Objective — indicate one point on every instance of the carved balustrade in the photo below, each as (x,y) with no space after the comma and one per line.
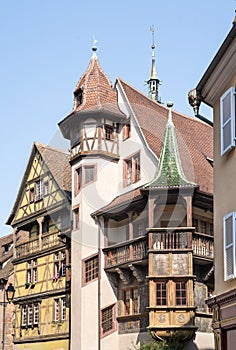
(178,238)
(48,240)
(126,252)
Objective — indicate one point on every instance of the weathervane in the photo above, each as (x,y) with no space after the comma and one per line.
(94,47)
(153,32)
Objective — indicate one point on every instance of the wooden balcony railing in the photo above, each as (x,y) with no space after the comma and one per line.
(170,239)
(179,238)
(126,252)
(48,240)
(203,245)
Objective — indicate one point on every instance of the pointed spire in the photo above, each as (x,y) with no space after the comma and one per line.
(169,172)
(94,91)
(153,81)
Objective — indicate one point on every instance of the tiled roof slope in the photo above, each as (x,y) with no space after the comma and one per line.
(6,256)
(195,138)
(96,89)
(123,199)
(58,163)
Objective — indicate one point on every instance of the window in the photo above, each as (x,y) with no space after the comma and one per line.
(34,231)
(108,132)
(30,315)
(108,320)
(202,226)
(131,301)
(140,228)
(126,131)
(32,271)
(78,97)
(161,295)
(84,175)
(56,309)
(63,309)
(59,309)
(39,190)
(180,293)
(46,188)
(227,119)
(48,225)
(36,313)
(59,265)
(6,248)
(91,269)
(76,218)
(31,194)
(132,169)
(229,246)
(78,179)
(24,315)
(89,173)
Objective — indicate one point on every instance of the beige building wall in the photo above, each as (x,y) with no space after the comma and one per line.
(224,196)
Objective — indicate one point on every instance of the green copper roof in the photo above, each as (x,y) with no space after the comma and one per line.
(169,171)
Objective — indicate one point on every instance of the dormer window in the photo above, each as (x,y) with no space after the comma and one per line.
(79,97)
(6,248)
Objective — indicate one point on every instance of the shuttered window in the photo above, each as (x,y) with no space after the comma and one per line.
(229,246)
(227,119)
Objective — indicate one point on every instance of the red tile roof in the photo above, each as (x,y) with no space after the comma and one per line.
(58,163)
(195,138)
(97,90)
(7,256)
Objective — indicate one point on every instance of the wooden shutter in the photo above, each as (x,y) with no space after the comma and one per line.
(229,246)
(227,119)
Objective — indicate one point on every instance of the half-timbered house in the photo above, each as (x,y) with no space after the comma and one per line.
(42,261)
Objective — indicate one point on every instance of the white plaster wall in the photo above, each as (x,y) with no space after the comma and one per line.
(202,341)
(109,184)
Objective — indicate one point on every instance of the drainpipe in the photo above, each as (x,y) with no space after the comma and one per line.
(99,282)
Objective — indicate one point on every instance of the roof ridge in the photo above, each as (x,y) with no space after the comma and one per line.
(51,148)
(155,103)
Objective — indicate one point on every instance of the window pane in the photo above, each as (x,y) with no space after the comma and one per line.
(63,309)
(56,310)
(135,301)
(107,319)
(78,178)
(39,189)
(30,314)
(229,231)
(36,314)
(89,173)
(23,315)
(226,107)
(63,268)
(91,269)
(180,295)
(127,301)
(161,293)
(227,134)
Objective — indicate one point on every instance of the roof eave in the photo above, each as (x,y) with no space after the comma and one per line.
(215,62)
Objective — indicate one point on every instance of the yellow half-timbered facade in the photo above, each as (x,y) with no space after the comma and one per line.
(42,260)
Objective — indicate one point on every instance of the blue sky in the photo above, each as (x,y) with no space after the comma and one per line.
(46,46)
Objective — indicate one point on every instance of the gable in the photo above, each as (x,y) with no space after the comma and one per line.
(39,190)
